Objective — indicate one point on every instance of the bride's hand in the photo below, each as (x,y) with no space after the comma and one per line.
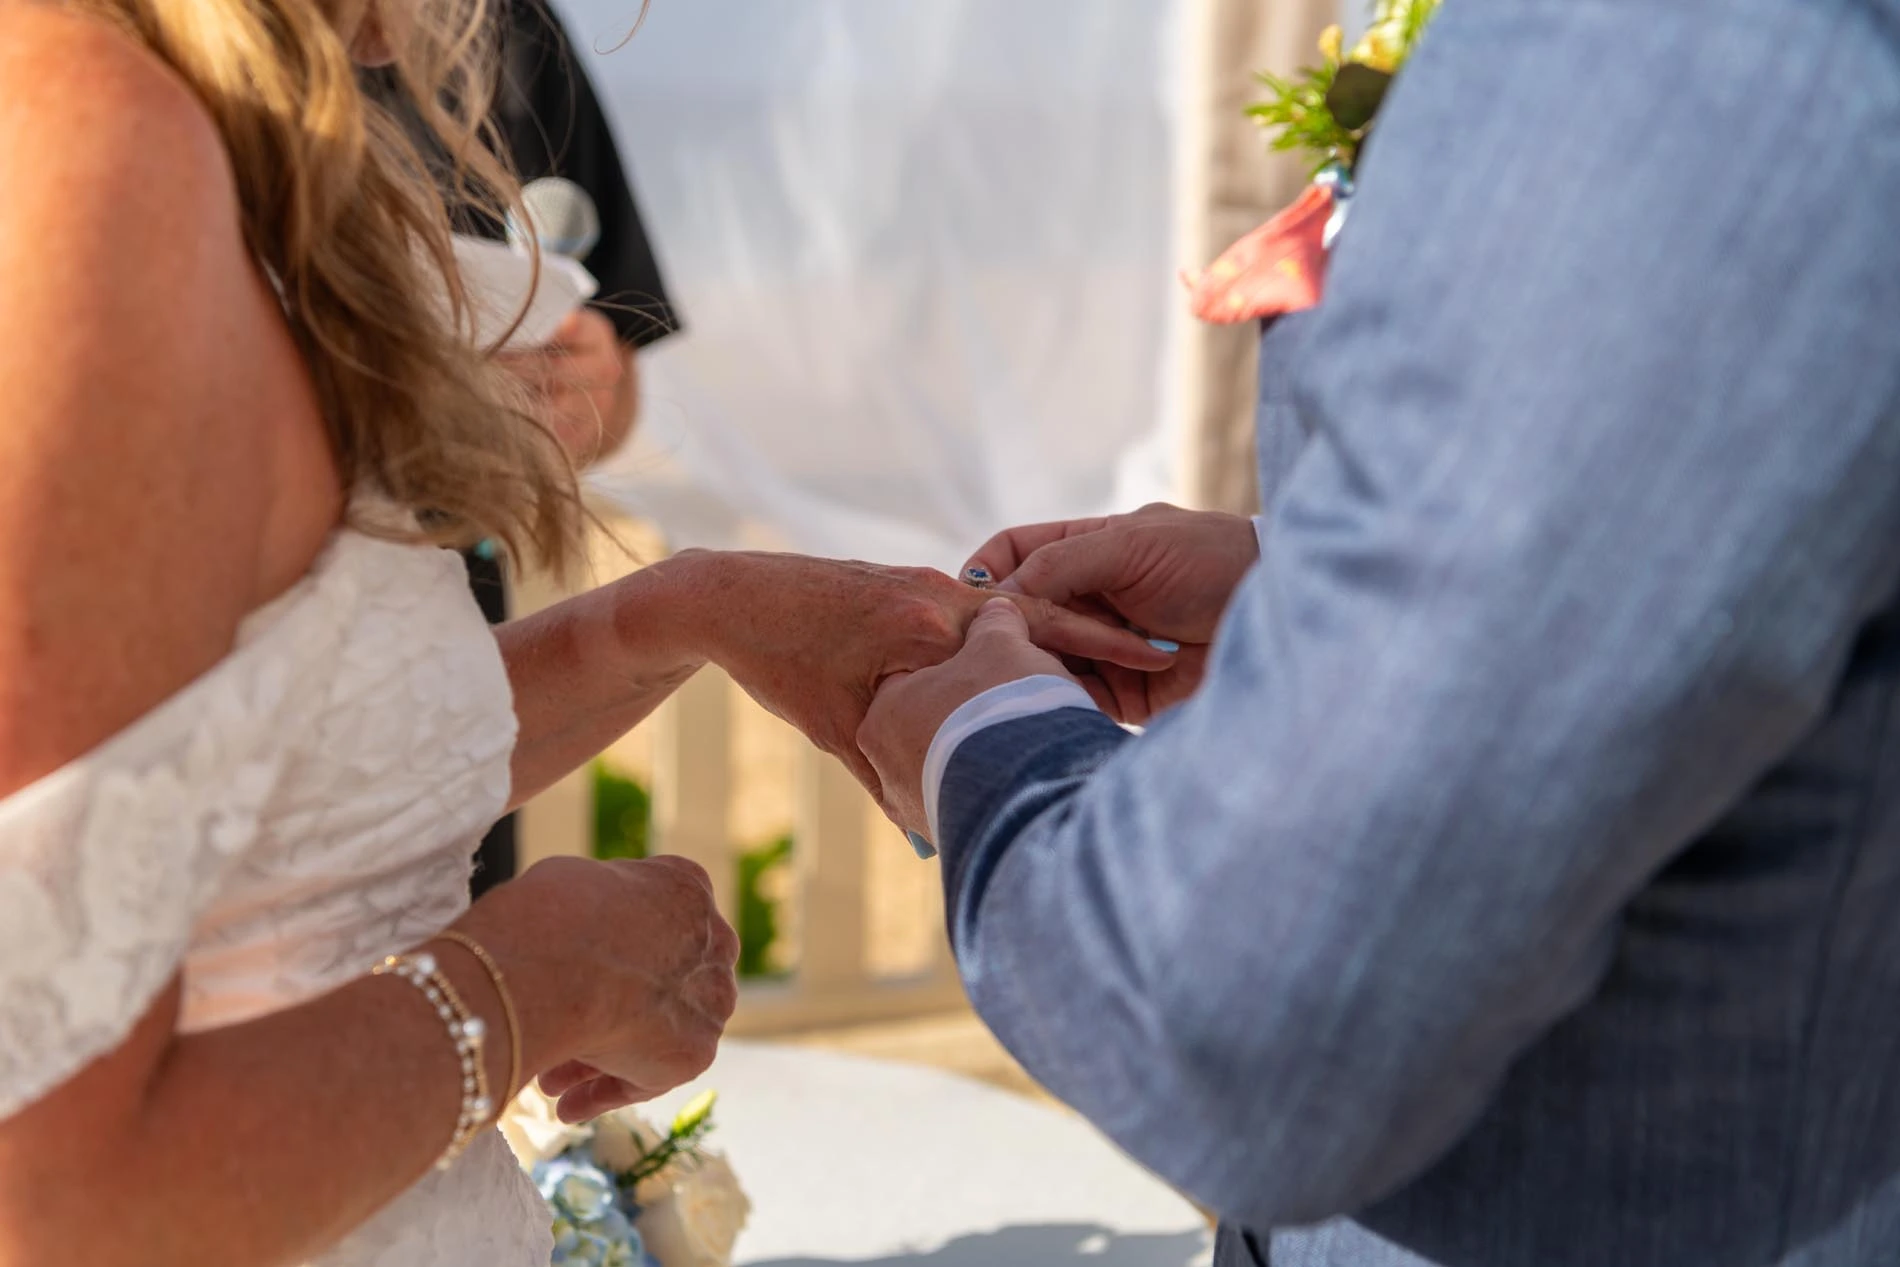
(622,973)
(812,639)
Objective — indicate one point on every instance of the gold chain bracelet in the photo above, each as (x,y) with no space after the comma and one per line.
(508,1012)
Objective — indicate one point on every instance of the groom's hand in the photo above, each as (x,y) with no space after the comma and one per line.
(1166,571)
(911,707)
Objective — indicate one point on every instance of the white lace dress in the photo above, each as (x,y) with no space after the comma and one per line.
(308,806)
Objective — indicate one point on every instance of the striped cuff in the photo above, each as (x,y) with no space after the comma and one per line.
(1024,698)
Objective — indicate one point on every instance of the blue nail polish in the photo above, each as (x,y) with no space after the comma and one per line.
(1162,644)
(923,847)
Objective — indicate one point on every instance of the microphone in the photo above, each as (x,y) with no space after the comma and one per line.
(500,277)
(561,218)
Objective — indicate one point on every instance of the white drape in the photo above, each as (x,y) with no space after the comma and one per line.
(925,256)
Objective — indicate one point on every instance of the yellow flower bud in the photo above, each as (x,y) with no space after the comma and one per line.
(1382,48)
(1330,42)
(696,1111)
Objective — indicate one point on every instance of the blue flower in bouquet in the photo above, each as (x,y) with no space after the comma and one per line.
(591,1227)
(576,1187)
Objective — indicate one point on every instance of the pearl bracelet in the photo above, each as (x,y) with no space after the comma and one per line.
(466,1030)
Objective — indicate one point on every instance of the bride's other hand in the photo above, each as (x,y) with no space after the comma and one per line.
(622,973)
(812,639)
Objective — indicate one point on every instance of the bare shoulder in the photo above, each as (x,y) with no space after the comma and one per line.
(131,496)
(91,117)
(117,181)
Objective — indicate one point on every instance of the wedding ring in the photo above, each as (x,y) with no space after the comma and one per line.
(980,578)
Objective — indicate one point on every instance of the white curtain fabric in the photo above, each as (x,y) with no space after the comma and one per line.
(925,253)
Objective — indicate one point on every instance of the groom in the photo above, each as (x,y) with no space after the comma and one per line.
(1521,888)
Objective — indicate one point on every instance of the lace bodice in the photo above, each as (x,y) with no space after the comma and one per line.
(306,807)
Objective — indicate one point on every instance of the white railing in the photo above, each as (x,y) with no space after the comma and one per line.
(842,856)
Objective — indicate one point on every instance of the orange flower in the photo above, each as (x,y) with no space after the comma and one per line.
(1278,268)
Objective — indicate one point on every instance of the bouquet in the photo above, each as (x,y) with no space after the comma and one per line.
(622,1193)
(1326,111)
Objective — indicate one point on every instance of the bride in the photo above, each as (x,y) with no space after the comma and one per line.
(251,723)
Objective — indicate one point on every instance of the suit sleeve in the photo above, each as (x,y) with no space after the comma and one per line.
(1602,486)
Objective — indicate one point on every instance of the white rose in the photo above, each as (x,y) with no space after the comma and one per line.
(535,1131)
(692,1214)
(622,1138)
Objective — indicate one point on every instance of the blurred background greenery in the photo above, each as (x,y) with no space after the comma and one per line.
(623,823)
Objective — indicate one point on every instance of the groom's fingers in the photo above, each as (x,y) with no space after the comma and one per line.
(1003,553)
(1001,621)
(1004,643)
(1098,688)
(1074,567)
(891,687)
(1071,633)
(910,709)
(894,737)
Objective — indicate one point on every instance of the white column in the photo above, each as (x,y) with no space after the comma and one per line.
(828,851)
(692,780)
(1230,182)
(559,821)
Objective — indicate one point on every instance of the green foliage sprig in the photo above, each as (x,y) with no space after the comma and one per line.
(1327,111)
(1298,114)
(683,1139)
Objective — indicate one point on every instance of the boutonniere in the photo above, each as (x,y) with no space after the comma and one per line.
(1327,112)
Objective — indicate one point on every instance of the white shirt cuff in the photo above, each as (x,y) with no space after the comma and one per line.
(1013,700)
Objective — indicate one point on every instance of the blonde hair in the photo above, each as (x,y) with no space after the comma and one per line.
(354,225)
